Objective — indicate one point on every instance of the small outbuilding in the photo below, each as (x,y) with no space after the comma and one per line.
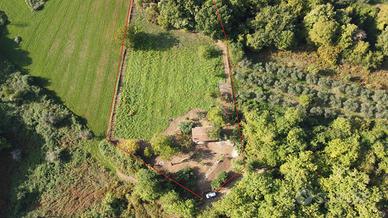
(200,135)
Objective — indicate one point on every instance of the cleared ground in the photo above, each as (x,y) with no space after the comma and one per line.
(165,78)
(70,45)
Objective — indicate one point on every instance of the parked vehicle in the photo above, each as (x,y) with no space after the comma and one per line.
(211,195)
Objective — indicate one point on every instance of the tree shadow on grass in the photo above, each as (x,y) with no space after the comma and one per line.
(157,42)
(9,48)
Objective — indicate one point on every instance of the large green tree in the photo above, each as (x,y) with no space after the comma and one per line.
(349,194)
(208,22)
(273,26)
(147,186)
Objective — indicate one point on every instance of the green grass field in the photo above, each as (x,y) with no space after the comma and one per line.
(71,46)
(165,78)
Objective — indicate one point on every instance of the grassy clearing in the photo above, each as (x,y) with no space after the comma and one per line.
(70,45)
(165,78)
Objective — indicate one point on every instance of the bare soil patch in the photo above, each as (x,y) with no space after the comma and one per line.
(207,160)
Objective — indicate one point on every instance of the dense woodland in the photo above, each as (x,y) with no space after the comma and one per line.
(341,31)
(313,146)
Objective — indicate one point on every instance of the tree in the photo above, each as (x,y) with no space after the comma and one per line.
(323,32)
(163,146)
(346,39)
(323,12)
(260,133)
(215,116)
(295,143)
(382,42)
(272,26)
(300,170)
(321,25)
(246,197)
(207,20)
(343,152)
(147,186)
(350,195)
(174,205)
(177,14)
(361,54)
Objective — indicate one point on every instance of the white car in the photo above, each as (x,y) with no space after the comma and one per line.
(211,195)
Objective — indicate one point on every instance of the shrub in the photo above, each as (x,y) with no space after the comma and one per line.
(304,100)
(208,51)
(129,145)
(218,182)
(329,54)
(361,54)
(216,117)
(184,141)
(214,132)
(3,19)
(186,127)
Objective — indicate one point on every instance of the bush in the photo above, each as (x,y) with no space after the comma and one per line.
(218,182)
(163,146)
(214,132)
(148,152)
(304,100)
(186,127)
(236,52)
(208,51)
(152,13)
(185,142)
(329,54)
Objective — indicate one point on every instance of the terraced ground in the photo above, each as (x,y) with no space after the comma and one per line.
(165,78)
(70,45)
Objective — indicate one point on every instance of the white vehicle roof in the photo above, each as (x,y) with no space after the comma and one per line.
(210,194)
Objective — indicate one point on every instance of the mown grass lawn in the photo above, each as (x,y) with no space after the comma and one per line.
(165,78)
(70,45)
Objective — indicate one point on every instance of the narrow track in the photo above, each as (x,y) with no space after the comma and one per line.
(120,76)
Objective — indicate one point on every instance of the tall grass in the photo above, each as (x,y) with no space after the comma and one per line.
(165,78)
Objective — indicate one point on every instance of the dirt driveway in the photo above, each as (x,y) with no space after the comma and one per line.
(207,160)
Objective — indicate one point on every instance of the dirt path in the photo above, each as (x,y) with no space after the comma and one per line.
(126,178)
(120,77)
(226,89)
(225,56)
